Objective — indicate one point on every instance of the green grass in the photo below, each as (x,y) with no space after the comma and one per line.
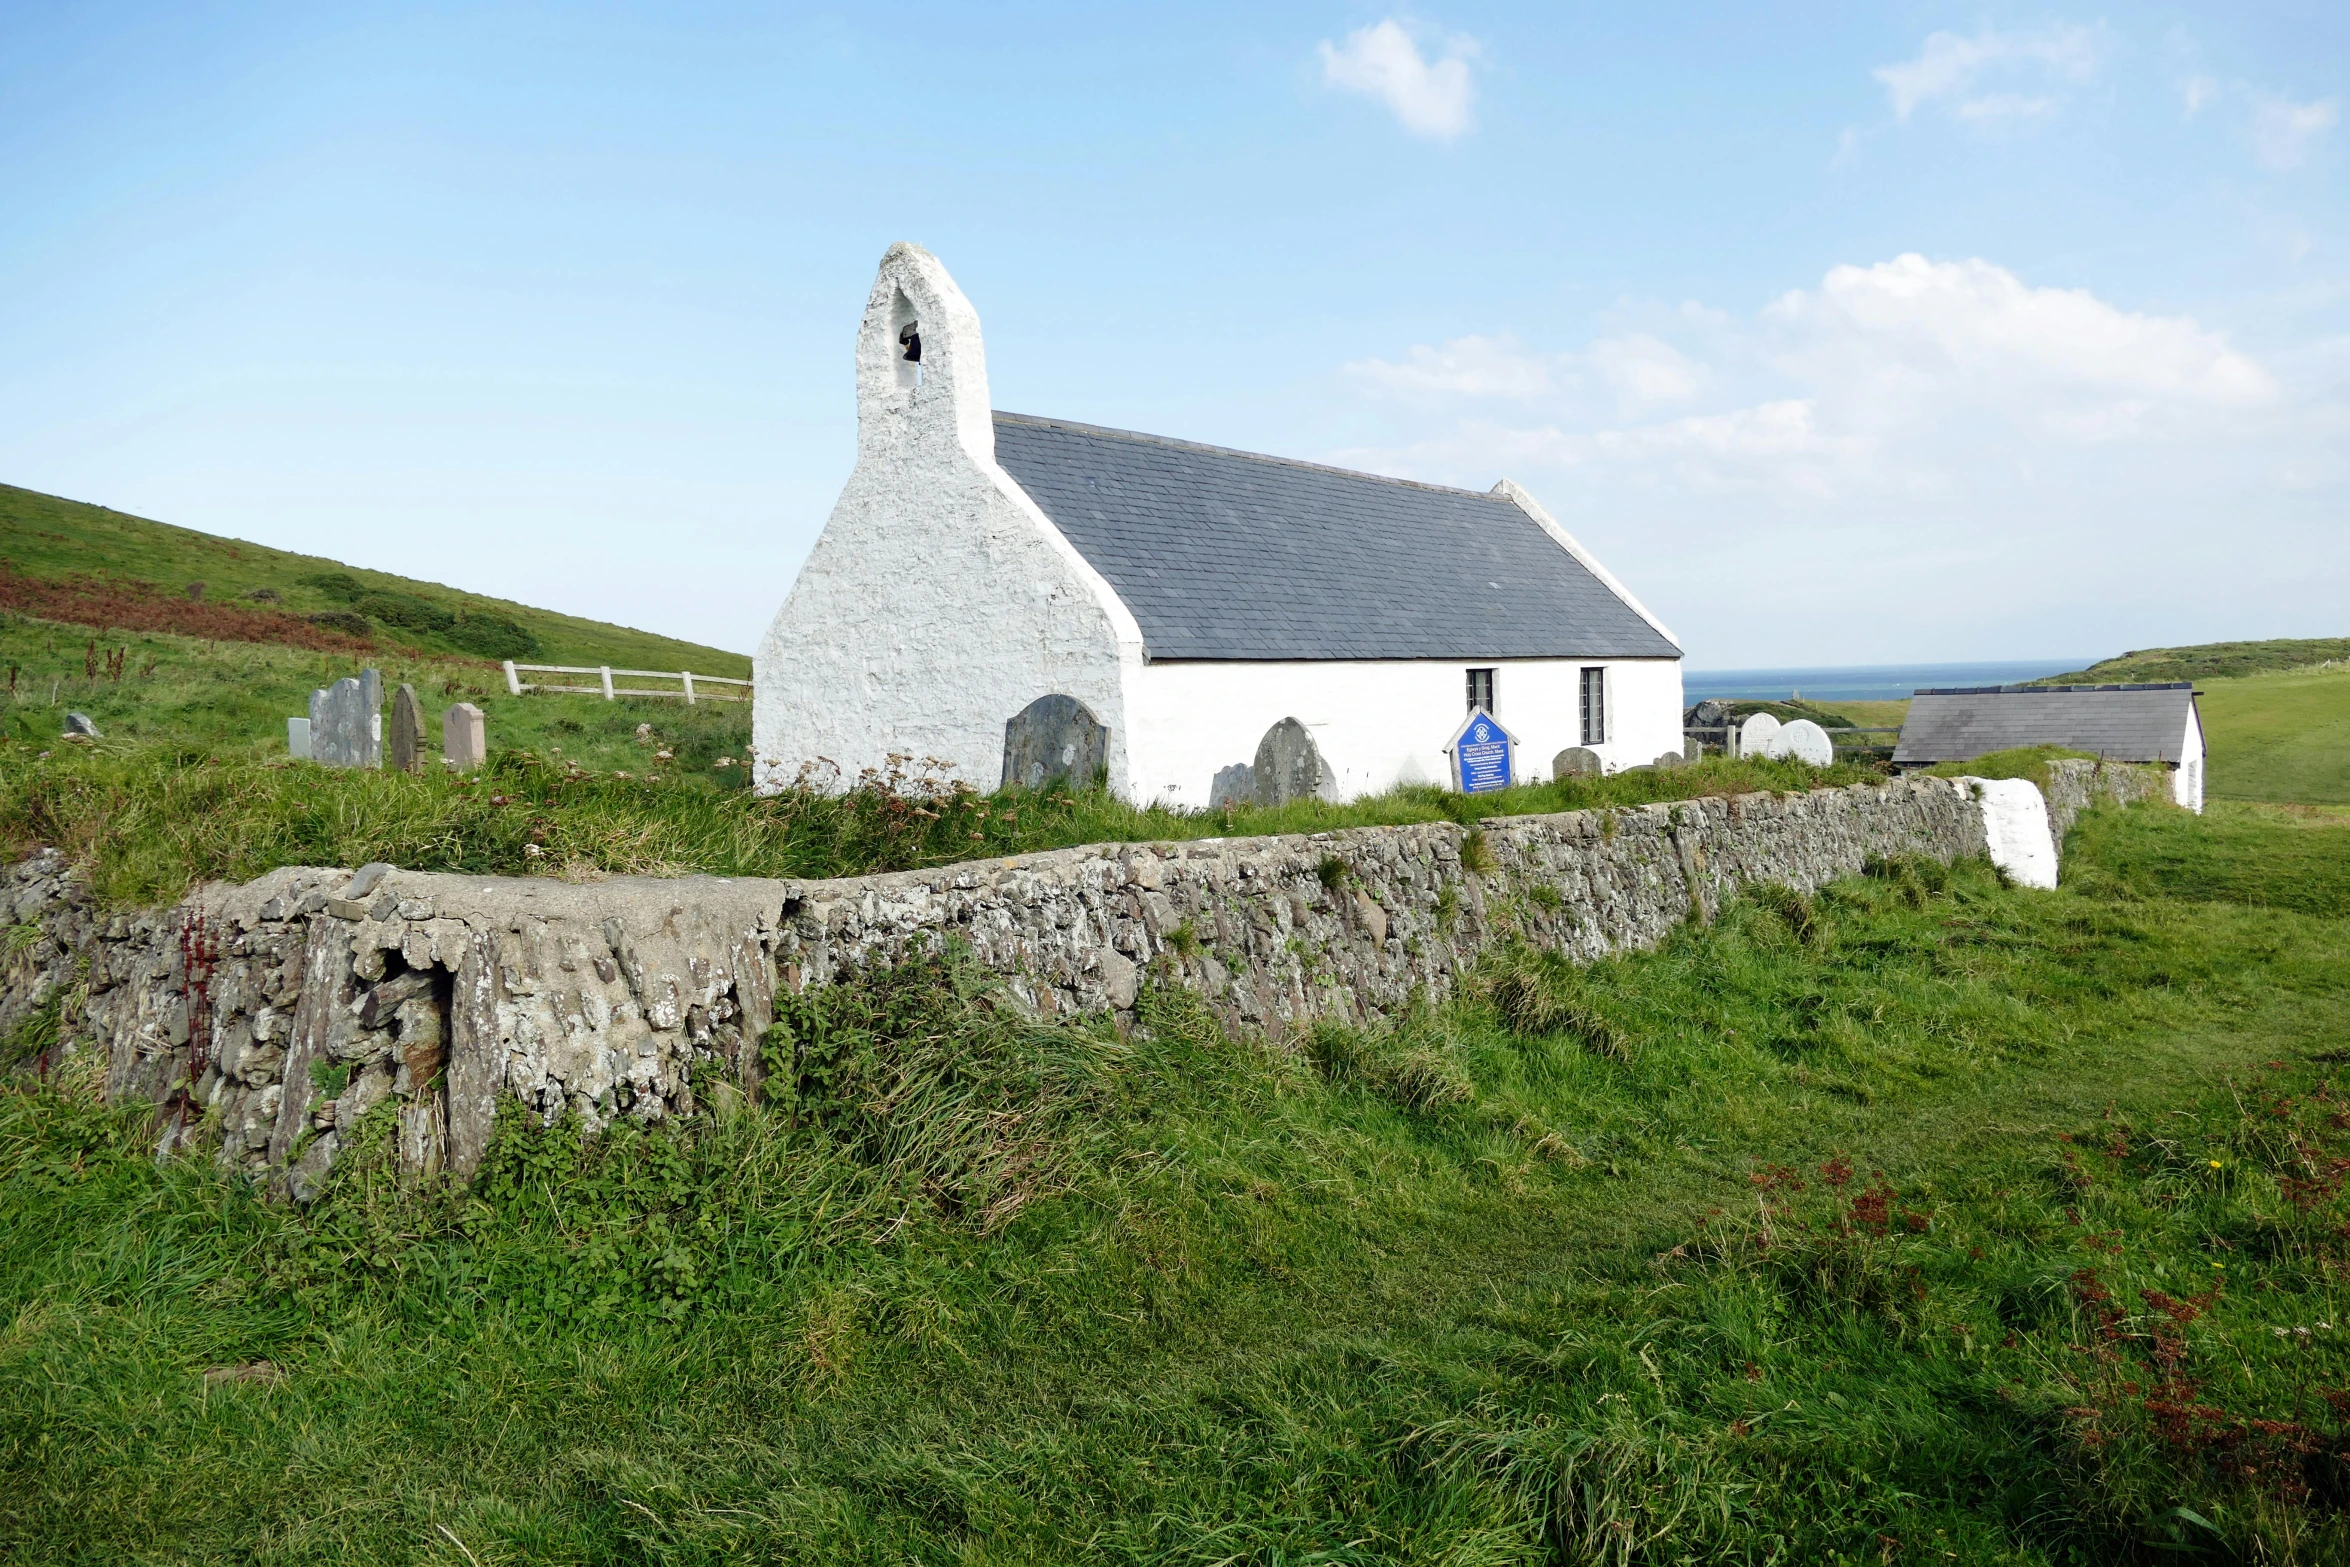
(2252,855)
(2280,737)
(44,536)
(2207,661)
(147,820)
(1619,1283)
(2030,761)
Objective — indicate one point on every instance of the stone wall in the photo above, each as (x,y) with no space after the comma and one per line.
(2074,786)
(265,1018)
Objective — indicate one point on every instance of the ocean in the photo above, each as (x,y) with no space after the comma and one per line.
(1864,682)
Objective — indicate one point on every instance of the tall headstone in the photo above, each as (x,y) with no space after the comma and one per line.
(1288,765)
(1807,742)
(407,730)
(1759,735)
(464,743)
(1055,737)
(1575,762)
(298,739)
(346,722)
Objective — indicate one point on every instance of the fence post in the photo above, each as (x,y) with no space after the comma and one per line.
(607,682)
(687,676)
(513,680)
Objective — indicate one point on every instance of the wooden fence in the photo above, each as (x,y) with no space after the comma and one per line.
(691,686)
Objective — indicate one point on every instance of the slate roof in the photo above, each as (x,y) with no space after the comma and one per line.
(2132,723)
(1232,556)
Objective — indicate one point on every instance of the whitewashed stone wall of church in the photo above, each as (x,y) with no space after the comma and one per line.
(1382,724)
(939,601)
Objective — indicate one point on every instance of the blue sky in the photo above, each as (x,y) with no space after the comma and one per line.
(1843,334)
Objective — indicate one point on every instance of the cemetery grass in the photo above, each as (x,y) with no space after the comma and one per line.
(146,821)
(1921,1220)
(148,567)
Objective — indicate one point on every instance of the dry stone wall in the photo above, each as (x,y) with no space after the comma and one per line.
(265,1019)
(2075,785)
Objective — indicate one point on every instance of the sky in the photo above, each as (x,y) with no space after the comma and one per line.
(1842,334)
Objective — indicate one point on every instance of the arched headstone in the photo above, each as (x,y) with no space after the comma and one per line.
(1806,742)
(1053,737)
(1575,761)
(1759,735)
(1288,765)
(1670,759)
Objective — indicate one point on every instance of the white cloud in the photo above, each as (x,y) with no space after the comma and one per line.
(1645,370)
(1948,68)
(1974,329)
(1383,61)
(1466,367)
(2282,129)
(2198,93)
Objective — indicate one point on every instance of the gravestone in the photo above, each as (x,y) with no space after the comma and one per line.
(1053,737)
(1692,750)
(1288,765)
(1482,754)
(1806,742)
(407,730)
(464,742)
(346,722)
(79,724)
(1576,762)
(298,739)
(1759,735)
(1234,785)
(1670,759)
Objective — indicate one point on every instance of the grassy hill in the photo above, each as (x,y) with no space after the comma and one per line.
(71,561)
(2281,737)
(1924,1220)
(2207,661)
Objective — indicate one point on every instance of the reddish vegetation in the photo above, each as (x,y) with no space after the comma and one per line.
(117,603)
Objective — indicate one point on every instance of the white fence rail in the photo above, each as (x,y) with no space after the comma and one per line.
(691,686)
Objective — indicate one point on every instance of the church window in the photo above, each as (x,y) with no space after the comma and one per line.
(1595,706)
(1481,689)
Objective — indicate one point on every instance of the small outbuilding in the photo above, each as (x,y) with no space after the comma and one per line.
(1186,622)
(2155,724)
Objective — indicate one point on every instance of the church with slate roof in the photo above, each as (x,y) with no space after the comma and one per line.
(1188,604)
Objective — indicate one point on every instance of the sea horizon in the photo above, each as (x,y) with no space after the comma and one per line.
(1866,682)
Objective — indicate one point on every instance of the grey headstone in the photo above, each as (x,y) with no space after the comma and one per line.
(1692,750)
(1234,785)
(1759,735)
(79,724)
(1670,759)
(1807,742)
(407,730)
(464,742)
(298,739)
(1575,761)
(346,722)
(1288,765)
(1055,737)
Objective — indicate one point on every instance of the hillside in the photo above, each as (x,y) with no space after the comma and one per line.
(70,561)
(2207,661)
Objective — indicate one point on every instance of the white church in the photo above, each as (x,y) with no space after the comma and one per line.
(1188,598)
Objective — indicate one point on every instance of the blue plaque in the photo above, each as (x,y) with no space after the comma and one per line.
(1481,750)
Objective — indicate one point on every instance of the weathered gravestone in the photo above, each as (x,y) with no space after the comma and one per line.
(79,725)
(464,742)
(1575,761)
(1759,735)
(1288,765)
(1806,742)
(298,739)
(407,730)
(346,722)
(1234,785)
(1670,759)
(1055,737)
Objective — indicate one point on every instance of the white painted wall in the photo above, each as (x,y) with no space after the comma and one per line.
(2186,782)
(1381,724)
(939,600)
(2016,834)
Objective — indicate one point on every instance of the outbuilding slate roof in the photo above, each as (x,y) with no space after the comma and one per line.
(2132,723)
(1227,555)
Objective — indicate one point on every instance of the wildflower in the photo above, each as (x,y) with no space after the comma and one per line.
(2215,1164)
